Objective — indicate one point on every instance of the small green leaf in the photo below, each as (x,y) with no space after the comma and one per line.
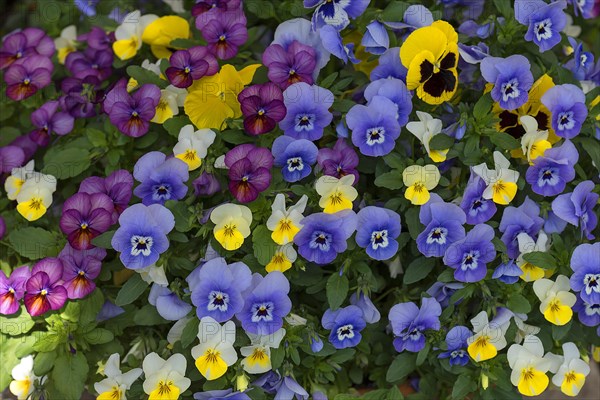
(412,220)
(47,341)
(395,160)
(394,394)
(592,147)
(418,269)
(483,106)
(504,141)
(16,324)
(403,364)
(104,240)
(181,213)
(559,332)
(422,355)
(264,247)
(441,142)
(519,304)
(131,290)
(337,290)
(148,316)
(390,180)
(328,81)
(341,84)
(174,125)
(33,243)
(142,76)
(99,336)
(66,163)
(44,362)
(190,332)
(464,385)
(540,259)
(69,375)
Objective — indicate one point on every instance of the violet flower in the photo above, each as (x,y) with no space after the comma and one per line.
(443,291)
(224,32)
(567,107)
(477,209)
(409,323)
(512,79)
(87,7)
(544,21)
(292,65)
(2,227)
(206,184)
(586,272)
(96,38)
(168,304)
(370,313)
(91,62)
(508,272)
(118,186)
(19,46)
(577,208)
(160,178)
(85,216)
(374,127)
(80,96)
(288,388)
(582,63)
(456,340)
(443,226)
(469,256)
(307,111)
(415,16)
(376,39)
(294,156)
(389,66)
(345,325)
(23,80)
(11,157)
(473,29)
(525,218)
(550,173)
(226,394)
(262,107)
(588,313)
(332,41)
(131,114)
(12,289)
(249,171)
(109,310)
(336,13)
(394,90)
(338,161)
(80,270)
(48,119)
(203,6)
(43,290)
(190,65)
(377,231)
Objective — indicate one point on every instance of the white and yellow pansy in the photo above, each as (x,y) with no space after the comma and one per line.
(336,194)
(215,353)
(22,384)
(283,258)
(501,181)
(488,338)
(232,225)
(425,129)
(17,178)
(128,35)
(534,142)
(165,379)
(116,383)
(419,180)
(556,299)
(571,371)
(528,245)
(529,366)
(285,223)
(192,145)
(258,355)
(66,43)
(35,195)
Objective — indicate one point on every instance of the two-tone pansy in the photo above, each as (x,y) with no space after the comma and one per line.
(192,145)
(165,379)
(232,225)
(284,223)
(257,356)
(215,352)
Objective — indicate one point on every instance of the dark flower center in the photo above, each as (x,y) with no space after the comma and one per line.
(345,332)
(262,312)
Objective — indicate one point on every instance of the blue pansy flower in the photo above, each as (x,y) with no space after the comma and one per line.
(217,288)
(226,394)
(87,7)
(473,54)
(394,90)
(443,226)
(511,77)
(585,263)
(161,178)
(409,323)
(456,339)
(389,66)
(588,313)
(577,208)
(316,344)
(295,157)
(336,13)
(167,303)
(307,111)
(345,325)
(142,234)
(469,256)
(553,224)
(375,39)
(415,17)
(550,173)
(443,291)
(473,29)
(332,41)
(525,218)
(583,7)
(544,21)
(566,104)
(371,314)
(508,272)
(377,231)
(374,127)
(477,209)
(582,63)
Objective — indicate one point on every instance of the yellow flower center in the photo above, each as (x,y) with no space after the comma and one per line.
(35,203)
(43,292)
(229,230)
(482,349)
(165,390)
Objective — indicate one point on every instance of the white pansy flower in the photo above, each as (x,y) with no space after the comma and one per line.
(65,43)
(556,299)
(529,366)
(501,181)
(165,379)
(23,378)
(215,353)
(534,142)
(128,35)
(258,355)
(116,383)
(425,129)
(285,223)
(192,145)
(571,371)
(488,338)
(528,245)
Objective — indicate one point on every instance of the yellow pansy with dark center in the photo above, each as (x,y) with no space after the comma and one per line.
(430,54)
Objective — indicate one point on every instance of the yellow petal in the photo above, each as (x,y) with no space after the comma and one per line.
(247,73)
(284,232)
(13,185)
(63,53)
(414,78)
(190,157)
(426,38)
(334,202)
(438,155)
(165,391)
(539,148)
(482,349)
(531,272)
(557,313)
(572,383)
(166,29)
(532,382)
(229,238)
(279,262)
(448,30)
(206,110)
(32,209)
(20,388)
(211,365)
(114,394)
(504,192)
(417,194)
(126,48)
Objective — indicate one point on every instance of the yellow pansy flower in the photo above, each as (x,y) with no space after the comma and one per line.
(35,196)
(571,373)
(556,300)
(425,129)
(167,106)
(501,181)
(116,383)
(419,180)
(529,366)
(128,36)
(488,338)
(232,225)
(528,245)
(285,223)
(192,146)
(213,99)
(258,355)
(215,353)
(165,379)
(336,194)
(17,178)
(534,142)
(162,31)
(283,259)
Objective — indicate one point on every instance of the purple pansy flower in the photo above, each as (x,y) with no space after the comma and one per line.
(316,344)
(377,231)
(345,325)
(577,208)
(206,184)
(23,80)
(469,256)
(19,46)
(374,127)
(336,13)
(85,216)
(525,218)
(323,235)
(295,157)
(339,161)
(48,119)
(376,39)
(585,262)
(43,290)
(262,106)
(118,186)
(221,395)
(443,226)
(11,157)
(582,63)
(371,314)
(160,178)
(554,224)
(80,270)
(12,289)
(168,304)
(567,106)
(389,66)
(290,65)
(95,252)
(109,310)
(443,291)
(217,289)
(456,340)
(550,173)
(511,77)
(508,272)
(142,235)
(266,303)
(2,227)
(282,387)
(415,17)
(96,38)
(473,54)
(585,7)
(80,96)
(409,323)
(394,90)
(91,62)
(203,6)
(190,65)
(473,29)
(332,41)
(588,313)
(131,114)
(477,209)
(249,171)
(544,21)
(224,32)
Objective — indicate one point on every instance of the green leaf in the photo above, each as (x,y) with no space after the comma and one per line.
(412,220)
(173,125)
(235,137)
(277,356)
(328,81)
(33,243)
(418,269)
(483,106)
(190,332)
(540,259)
(464,385)
(90,307)
(394,394)
(390,180)
(47,341)
(337,290)
(394,11)
(69,375)
(44,362)
(263,245)
(142,76)
(96,137)
(148,316)
(16,324)
(131,290)
(181,213)
(422,355)
(104,240)
(66,163)
(395,160)
(341,84)
(99,336)
(403,364)
(504,141)
(559,332)
(441,142)
(592,147)
(519,304)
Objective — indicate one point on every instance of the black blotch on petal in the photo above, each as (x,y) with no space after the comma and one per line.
(440,82)
(448,61)
(426,71)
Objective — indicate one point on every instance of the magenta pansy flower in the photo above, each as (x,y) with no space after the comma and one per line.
(44,291)
(18,46)
(84,217)
(249,171)
(190,65)
(23,80)
(131,114)
(262,106)
(48,119)
(224,32)
(118,186)
(12,289)
(79,271)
